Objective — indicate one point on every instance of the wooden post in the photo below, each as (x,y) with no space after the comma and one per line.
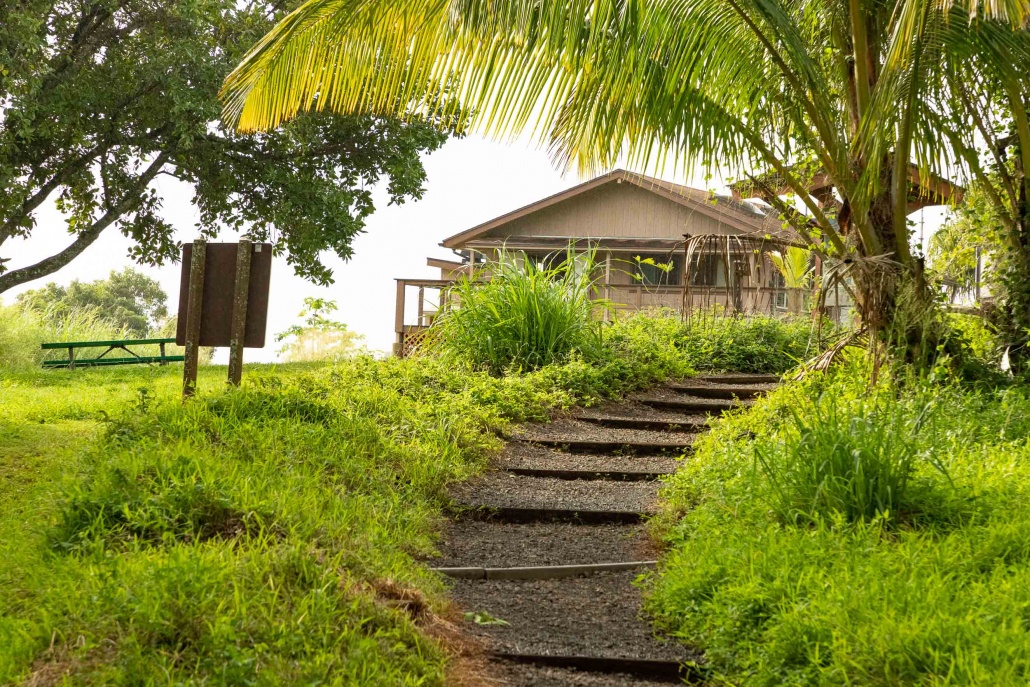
(194,300)
(71,357)
(421,305)
(398,322)
(238,325)
(161,347)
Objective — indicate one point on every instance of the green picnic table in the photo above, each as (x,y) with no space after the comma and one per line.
(123,344)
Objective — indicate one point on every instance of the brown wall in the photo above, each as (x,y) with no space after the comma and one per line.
(614,210)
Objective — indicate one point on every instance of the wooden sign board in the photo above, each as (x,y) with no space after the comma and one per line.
(216,309)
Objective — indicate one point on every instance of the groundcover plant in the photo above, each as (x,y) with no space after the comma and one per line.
(839,533)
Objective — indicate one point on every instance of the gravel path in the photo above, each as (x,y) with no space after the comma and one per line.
(501,490)
(635,409)
(499,545)
(585,431)
(522,455)
(598,615)
(588,618)
(525,675)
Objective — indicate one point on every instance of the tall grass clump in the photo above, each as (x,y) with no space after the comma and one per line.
(516,314)
(22,330)
(846,457)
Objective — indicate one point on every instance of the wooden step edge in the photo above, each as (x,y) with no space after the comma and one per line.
(673,672)
(717,393)
(742,378)
(609,475)
(542,572)
(604,446)
(615,422)
(692,406)
(513,514)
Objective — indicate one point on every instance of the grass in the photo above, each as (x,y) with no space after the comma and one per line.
(273,534)
(791,562)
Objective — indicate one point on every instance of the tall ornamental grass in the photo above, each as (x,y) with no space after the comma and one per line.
(23,330)
(516,314)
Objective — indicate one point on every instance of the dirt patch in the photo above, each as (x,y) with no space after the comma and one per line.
(511,545)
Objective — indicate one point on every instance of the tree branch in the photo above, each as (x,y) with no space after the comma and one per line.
(85,238)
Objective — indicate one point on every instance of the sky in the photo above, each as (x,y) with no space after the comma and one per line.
(470,181)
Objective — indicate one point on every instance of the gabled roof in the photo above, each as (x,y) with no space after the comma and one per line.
(749,217)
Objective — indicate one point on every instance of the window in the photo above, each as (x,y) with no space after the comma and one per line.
(708,269)
(658,270)
(780,284)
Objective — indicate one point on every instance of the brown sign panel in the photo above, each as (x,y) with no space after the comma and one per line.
(219,282)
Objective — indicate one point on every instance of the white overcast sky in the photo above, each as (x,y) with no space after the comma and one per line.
(469,181)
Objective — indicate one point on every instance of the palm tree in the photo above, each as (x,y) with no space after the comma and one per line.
(860,92)
(794,265)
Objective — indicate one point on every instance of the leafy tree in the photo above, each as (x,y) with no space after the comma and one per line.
(129,300)
(98,98)
(319,338)
(780,92)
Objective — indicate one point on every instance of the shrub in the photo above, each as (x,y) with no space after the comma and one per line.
(757,343)
(516,314)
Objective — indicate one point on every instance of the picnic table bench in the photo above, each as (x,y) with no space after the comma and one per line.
(132,359)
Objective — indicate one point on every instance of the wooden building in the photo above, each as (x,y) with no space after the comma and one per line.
(657,244)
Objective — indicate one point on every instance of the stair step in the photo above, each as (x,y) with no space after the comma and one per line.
(724,392)
(653,671)
(657,424)
(611,475)
(518,514)
(642,448)
(593,622)
(688,405)
(489,544)
(740,378)
(542,572)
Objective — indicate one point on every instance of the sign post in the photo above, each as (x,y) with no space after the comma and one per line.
(223,301)
(238,326)
(194,302)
